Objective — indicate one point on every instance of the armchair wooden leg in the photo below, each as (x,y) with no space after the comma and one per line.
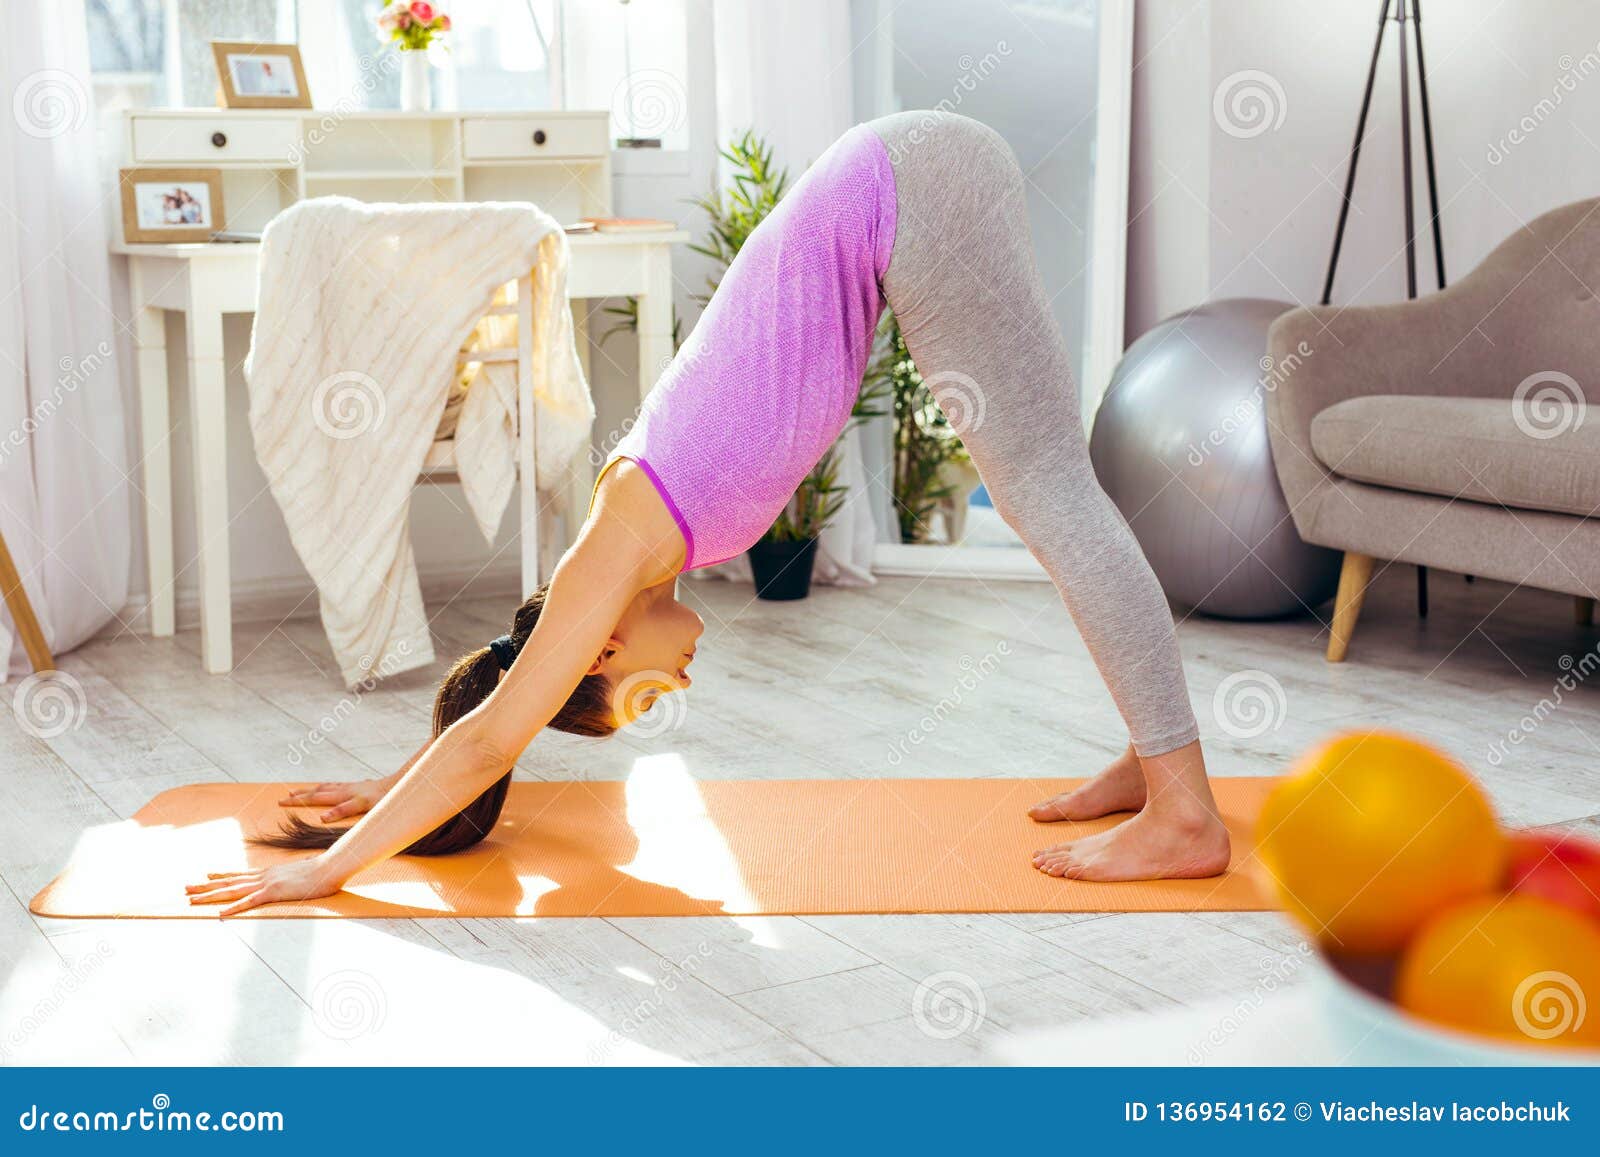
(1583,611)
(1353,578)
(22,616)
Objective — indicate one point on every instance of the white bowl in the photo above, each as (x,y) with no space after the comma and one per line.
(1377,1031)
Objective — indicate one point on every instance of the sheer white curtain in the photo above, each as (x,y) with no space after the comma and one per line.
(65,505)
(783,68)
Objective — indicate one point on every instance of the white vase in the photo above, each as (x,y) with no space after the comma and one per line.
(414,80)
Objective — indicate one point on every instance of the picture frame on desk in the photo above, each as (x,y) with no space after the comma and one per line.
(253,75)
(161,206)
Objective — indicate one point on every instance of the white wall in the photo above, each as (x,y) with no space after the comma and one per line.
(1220,214)
(1169,160)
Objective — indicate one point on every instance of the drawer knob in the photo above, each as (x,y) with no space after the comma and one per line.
(539,137)
(219,139)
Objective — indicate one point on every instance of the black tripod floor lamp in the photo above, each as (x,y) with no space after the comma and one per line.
(1406,15)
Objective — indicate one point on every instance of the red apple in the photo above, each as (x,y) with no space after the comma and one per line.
(1558,866)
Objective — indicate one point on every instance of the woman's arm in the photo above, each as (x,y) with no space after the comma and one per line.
(350,799)
(630,542)
(587,597)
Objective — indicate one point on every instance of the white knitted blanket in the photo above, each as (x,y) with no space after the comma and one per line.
(362,309)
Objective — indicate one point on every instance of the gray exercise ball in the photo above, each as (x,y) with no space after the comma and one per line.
(1180,445)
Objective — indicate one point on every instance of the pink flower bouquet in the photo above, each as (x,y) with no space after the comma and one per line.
(413,26)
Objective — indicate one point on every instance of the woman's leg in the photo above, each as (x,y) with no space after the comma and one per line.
(963,284)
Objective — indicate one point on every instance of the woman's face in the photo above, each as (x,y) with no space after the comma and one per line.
(650,650)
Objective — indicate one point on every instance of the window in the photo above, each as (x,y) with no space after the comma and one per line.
(631,58)
(500,54)
(628,56)
(126,40)
(497,55)
(138,60)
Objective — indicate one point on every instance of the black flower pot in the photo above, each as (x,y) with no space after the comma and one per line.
(783,569)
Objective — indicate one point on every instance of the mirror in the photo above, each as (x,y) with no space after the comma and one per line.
(1053,77)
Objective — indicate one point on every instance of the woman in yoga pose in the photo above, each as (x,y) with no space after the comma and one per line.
(926,211)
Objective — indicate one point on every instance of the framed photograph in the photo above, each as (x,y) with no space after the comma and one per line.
(160,206)
(260,75)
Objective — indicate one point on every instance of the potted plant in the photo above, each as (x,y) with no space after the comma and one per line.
(782,561)
(412,27)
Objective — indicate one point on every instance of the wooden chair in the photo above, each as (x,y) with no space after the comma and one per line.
(495,343)
(22,616)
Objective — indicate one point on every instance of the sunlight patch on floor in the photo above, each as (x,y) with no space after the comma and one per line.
(679,845)
(153,860)
(375,998)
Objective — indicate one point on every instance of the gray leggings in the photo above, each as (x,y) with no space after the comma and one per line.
(970,303)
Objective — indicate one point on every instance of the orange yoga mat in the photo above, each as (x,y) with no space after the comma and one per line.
(665,845)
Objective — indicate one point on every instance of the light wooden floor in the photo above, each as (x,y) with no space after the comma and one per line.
(826,687)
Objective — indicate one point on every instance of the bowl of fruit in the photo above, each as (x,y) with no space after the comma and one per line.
(1445,937)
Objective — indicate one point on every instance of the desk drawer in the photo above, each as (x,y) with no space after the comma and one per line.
(533,138)
(163,140)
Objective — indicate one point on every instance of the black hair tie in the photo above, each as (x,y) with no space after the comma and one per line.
(505,651)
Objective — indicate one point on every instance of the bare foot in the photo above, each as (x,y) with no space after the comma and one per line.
(1119,788)
(1178,839)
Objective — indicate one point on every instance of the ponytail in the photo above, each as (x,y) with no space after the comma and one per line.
(587,711)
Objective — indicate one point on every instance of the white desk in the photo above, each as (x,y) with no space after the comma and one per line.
(203,282)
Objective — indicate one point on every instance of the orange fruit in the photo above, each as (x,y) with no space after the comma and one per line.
(1516,967)
(1372,833)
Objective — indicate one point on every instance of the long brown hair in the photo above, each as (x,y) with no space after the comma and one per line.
(587,711)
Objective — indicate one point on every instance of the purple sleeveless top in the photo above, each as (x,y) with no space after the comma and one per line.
(766,381)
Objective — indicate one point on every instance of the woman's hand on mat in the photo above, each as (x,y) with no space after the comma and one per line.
(340,799)
(306,879)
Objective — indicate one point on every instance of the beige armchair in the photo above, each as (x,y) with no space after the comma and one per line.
(1452,431)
